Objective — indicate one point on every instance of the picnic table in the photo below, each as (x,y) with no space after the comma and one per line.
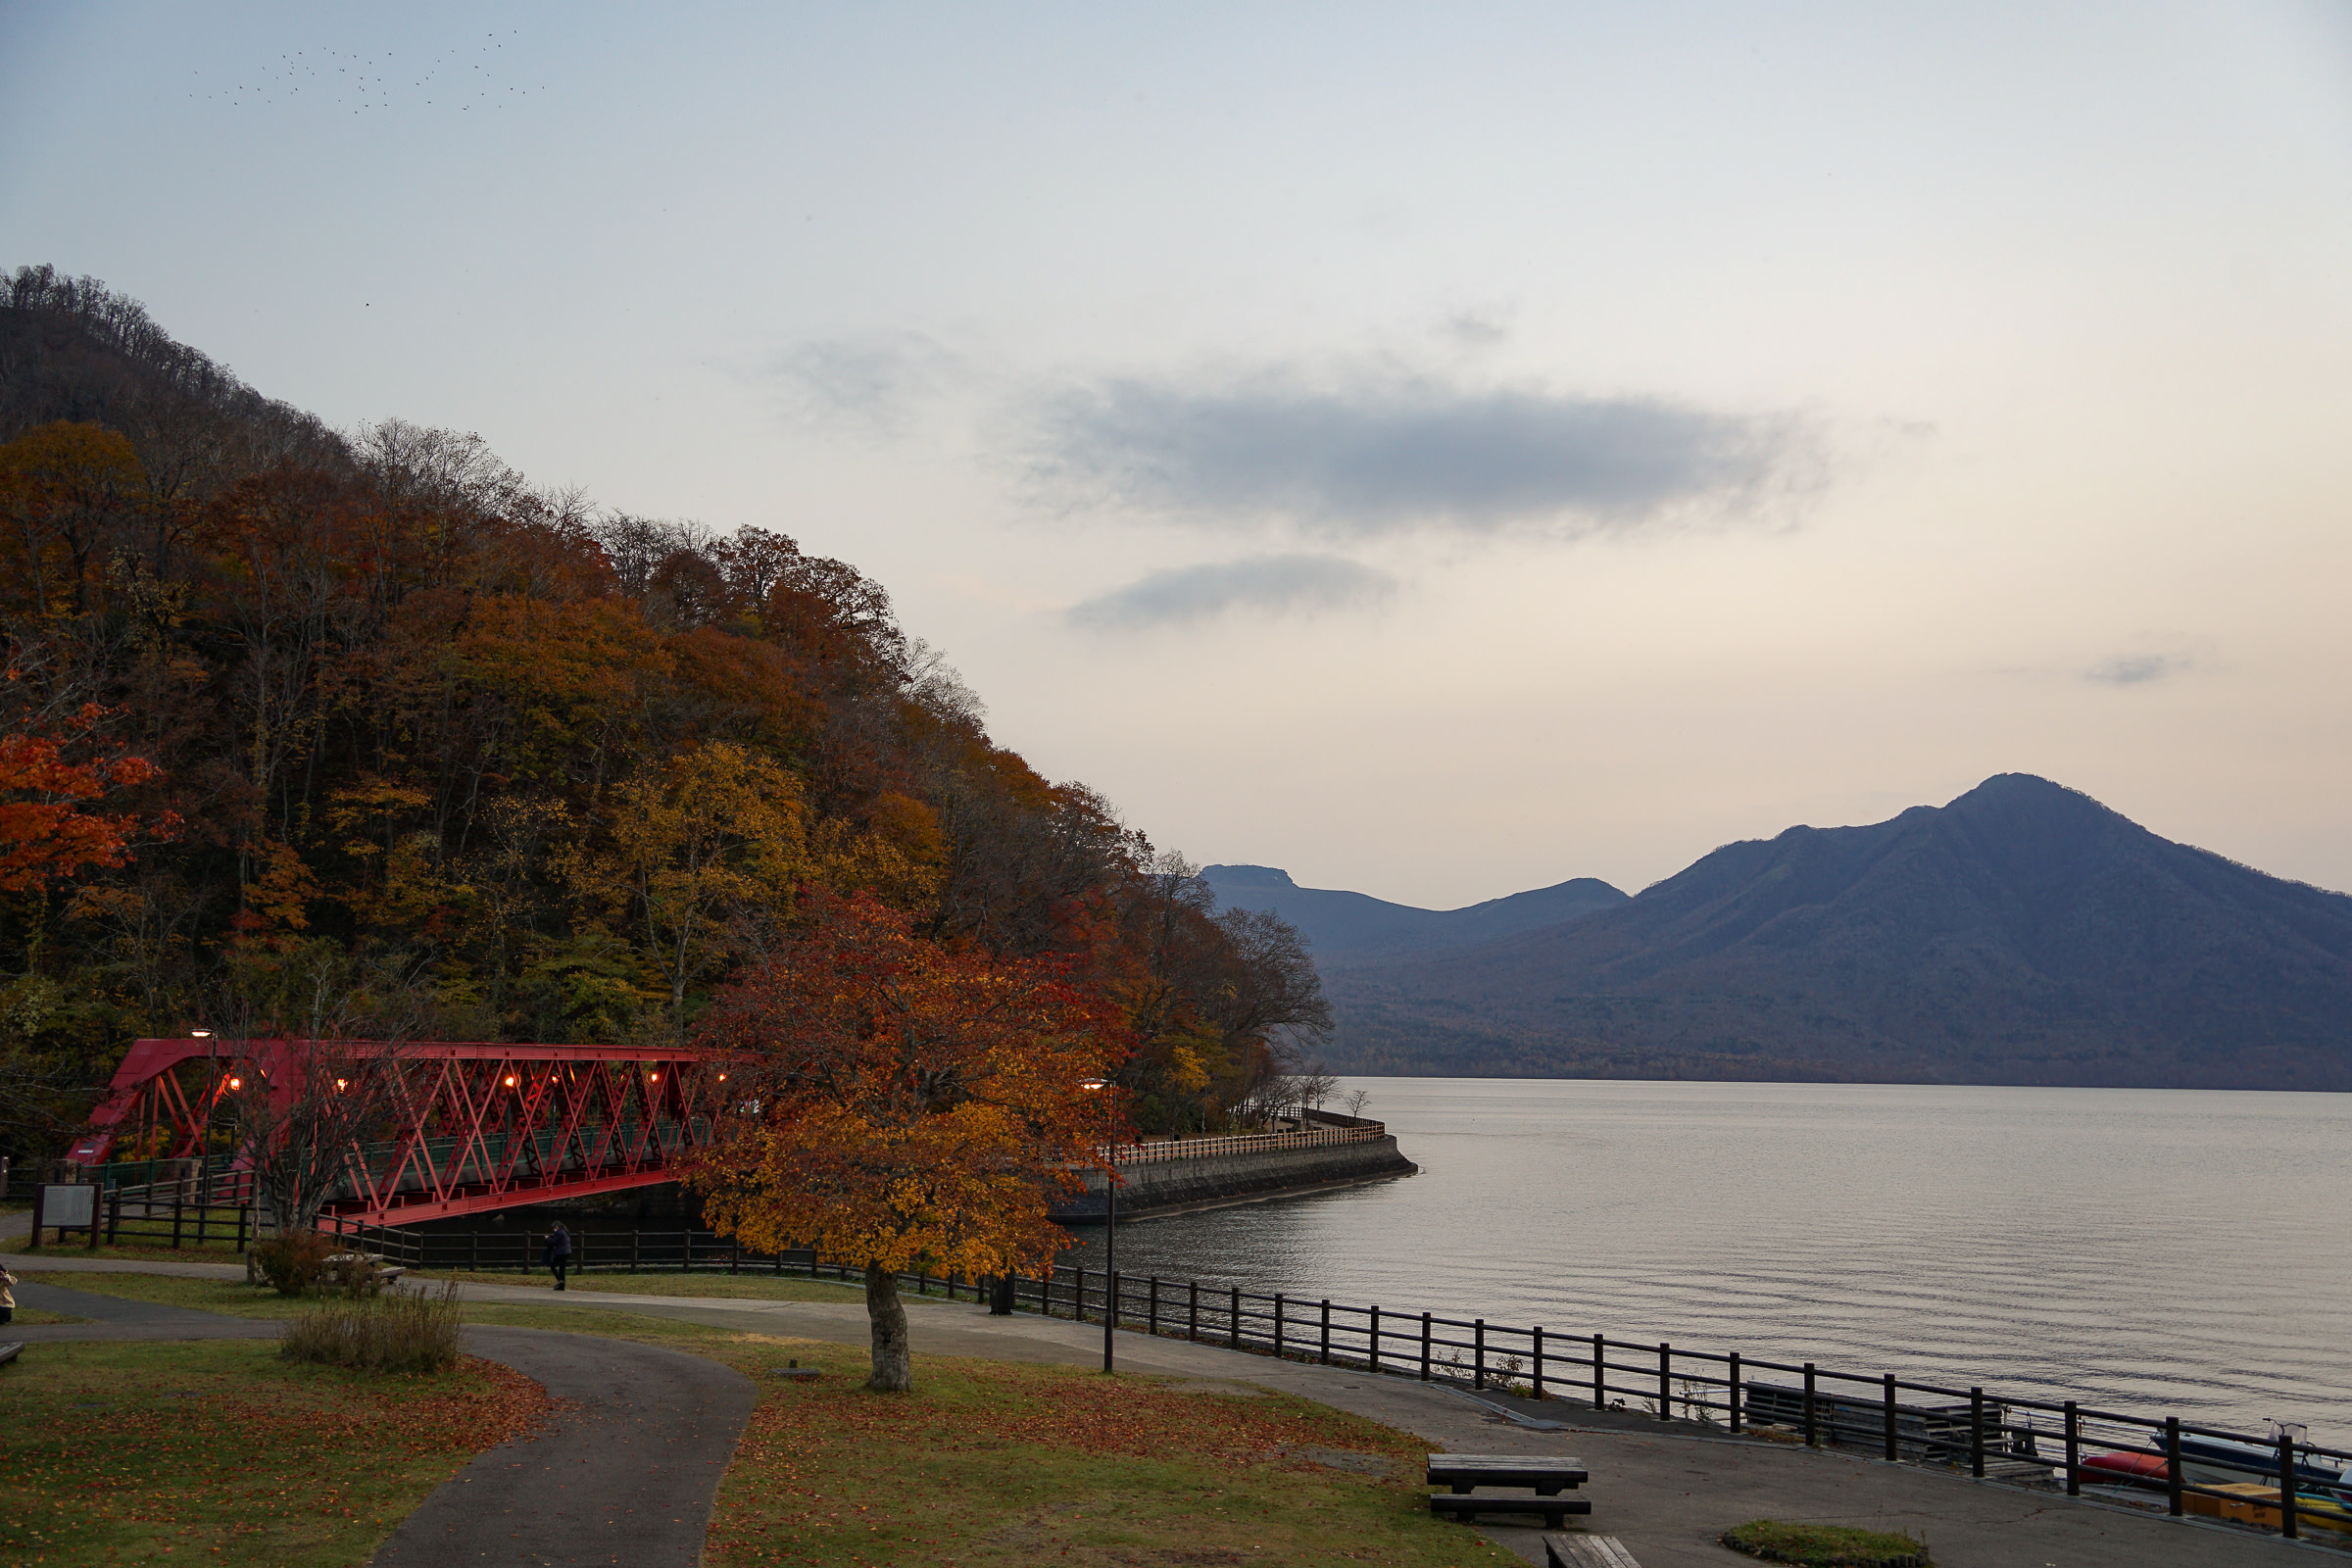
(1546,1474)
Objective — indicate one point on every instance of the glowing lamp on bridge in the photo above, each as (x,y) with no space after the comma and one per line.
(236,1083)
(342,1083)
(510,1080)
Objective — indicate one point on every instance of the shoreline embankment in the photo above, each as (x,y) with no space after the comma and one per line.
(1178,1177)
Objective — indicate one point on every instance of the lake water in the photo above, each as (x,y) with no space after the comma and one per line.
(2189,1251)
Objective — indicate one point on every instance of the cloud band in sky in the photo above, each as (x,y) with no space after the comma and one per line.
(1278,584)
(1385,456)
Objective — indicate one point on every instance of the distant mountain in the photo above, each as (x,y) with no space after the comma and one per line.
(2022,934)
(1348,928)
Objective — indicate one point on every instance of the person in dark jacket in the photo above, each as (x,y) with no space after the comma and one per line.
(558,1256)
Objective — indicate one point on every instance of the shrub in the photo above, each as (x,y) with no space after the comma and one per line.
(1826,1546)
(291,1263)
(398,1331)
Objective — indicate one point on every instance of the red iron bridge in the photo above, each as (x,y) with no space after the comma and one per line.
(467,1126)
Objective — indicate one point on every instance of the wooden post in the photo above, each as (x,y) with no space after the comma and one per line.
(243,1209)
(1600,1372)
(1732,1379)
(2073,1452)
(1192,1311)
(1976,1432)
(175,1215)
(2172,1465)
(1810,1438)
(634,1237)
(1665,1381)
(1539,1359)
(1278,1309)
(114,1214)
(1891,1454)
(1152,1310)
(1425,1346)
(1233,1320)
(1478,1354)
(38,1194)
(1078,1308)
(1326,1352)
(2288,1521)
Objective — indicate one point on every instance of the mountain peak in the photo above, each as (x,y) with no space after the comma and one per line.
(1248,876)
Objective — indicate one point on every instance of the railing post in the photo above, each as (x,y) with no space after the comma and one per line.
(1600,1372)
(1278,1325)
(1976,1432)
(1891,1454)
(1665,1381)
(1372,1344)
(1425,1346)
(1233,1320)
(1478,1354)
(1326,1351)
(1078,1312)
(1809,1432)
(1152,1313)
(2287,1522)
(1732,1382)
(243,1210)
(2172,1465)
(2073,1452)
(634,1237)
(176,1213)
(114,1214)
(1538,1337)
(473,1251)
(1192,1311)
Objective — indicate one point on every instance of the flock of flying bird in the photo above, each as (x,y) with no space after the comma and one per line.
(376,81)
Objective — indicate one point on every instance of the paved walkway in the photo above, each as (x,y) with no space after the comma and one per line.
(1667,1491)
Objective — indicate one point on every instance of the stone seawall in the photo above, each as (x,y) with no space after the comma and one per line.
(1172,1186)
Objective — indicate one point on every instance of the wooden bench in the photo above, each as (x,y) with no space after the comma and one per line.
(10,1352)
(1553,1511)
(1587,1551)
(1547,1475)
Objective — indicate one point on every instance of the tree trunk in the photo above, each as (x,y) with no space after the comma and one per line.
(894,1361)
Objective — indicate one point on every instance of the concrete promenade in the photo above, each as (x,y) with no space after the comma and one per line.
(1666,1490)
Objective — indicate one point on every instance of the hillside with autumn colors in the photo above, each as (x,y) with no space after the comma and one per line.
(315,729)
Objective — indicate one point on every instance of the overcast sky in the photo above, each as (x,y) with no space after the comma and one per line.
(1436,450)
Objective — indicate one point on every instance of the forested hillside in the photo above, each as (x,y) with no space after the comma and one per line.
(2022,934)
(307,729)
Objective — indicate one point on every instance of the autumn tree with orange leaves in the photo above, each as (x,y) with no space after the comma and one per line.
(896,1102)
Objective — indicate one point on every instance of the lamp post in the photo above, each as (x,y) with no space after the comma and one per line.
(1110,1230)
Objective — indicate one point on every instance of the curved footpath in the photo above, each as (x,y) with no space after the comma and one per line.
(625,1473)
(1666,1491)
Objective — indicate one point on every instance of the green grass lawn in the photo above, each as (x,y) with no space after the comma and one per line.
(218,1452)
(1001,1464)
(215,1249)
(718,1286)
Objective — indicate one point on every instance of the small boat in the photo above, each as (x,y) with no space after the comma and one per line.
(2128,1469)
(2212,1462)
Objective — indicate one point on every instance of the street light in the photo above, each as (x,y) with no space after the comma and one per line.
(1111,1231)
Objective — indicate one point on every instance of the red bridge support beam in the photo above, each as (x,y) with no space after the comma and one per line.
(471,1126)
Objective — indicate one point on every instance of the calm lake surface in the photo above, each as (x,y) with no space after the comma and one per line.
(2185,1249)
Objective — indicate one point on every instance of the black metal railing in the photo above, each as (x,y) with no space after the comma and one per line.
(1901,1420)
